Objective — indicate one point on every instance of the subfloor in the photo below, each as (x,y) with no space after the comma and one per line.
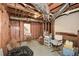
(40,50)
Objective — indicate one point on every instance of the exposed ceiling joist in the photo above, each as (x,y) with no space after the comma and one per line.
(23,9)
(70,6)
(25,19)
(30,4)
(21,4)
(30,8)
(62,10)
(50,4)
(57,6)
(26,5)
(23,12)
(55,10)
(20,13)
(73,4)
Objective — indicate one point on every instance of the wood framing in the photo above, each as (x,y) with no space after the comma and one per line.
(0,28)
(52,28)
(4,29)
(21,30)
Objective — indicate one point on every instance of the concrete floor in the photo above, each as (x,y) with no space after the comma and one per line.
(38,49)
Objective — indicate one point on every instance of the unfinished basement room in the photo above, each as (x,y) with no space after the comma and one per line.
(39,29)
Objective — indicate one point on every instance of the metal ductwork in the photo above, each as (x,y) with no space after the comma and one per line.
(43,8)
(71,11)
(54,16)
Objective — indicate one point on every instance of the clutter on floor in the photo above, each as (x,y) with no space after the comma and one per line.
(41,40)
(58,40)
(21,51)
(28,38)
(69,50)
(57,43)
(47,38)
(39,49)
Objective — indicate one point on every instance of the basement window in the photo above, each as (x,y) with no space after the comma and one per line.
(27,29)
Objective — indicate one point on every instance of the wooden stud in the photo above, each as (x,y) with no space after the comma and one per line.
(49,27)
(4,29)
(21,30)
(52,28)
(0,28)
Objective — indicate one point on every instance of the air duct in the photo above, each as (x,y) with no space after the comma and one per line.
(54,16)
(43,8)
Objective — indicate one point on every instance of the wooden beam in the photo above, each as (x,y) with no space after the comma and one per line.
(52,28)
(4,29)
(20,13)
(17,18)
(11,14)
(33,7)
(78,38)
(65,33)
(27,6)
(70,6)
(25,12)
(21,4)
(57,6)
(63,8)
(73,4)
(24,19)
(50,4)
(78,34)
(30,4)
(23,9)
(0,27)
(21,30)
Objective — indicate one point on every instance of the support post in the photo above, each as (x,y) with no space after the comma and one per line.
(21,31)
